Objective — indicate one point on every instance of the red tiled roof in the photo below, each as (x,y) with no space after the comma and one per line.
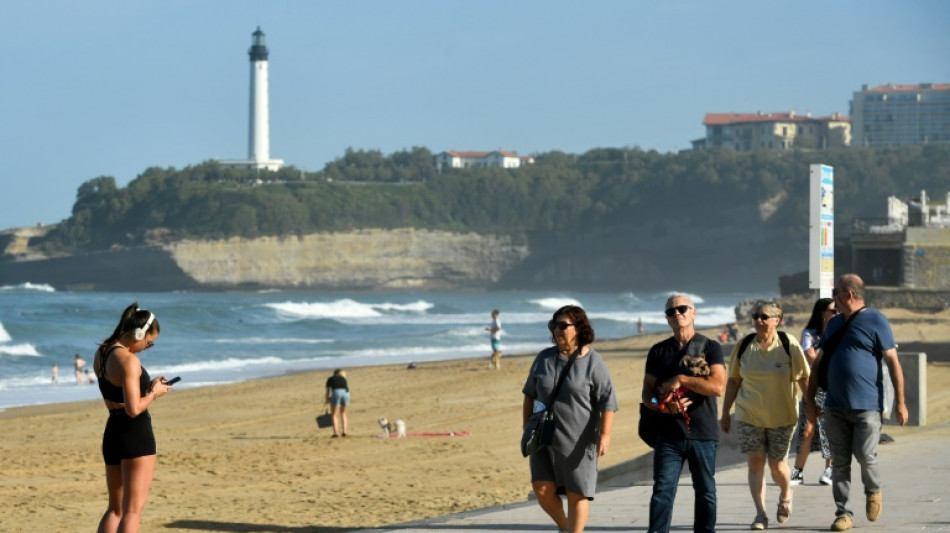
(910,87)
(723,119)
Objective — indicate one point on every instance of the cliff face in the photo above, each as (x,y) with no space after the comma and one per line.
(370,259)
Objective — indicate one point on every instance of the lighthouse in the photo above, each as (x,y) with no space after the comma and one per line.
(258,138)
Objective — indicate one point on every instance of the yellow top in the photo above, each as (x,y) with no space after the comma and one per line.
(768,394)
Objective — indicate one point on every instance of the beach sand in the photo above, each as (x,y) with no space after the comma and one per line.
(249,456)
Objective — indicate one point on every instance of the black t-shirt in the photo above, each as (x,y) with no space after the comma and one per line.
(663,362)
(337,382)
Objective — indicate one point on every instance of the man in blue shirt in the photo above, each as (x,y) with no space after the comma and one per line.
(857,342)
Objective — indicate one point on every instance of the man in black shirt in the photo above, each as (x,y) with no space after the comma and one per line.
(688,424)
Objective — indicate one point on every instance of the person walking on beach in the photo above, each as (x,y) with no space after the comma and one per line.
(849,360)
(78,365)
(128,443)
(338,397)
(821,313)
(680,439)
(55,374)
(495,334)
(763,371)
(584,409)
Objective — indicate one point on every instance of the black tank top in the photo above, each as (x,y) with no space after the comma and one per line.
(113,393)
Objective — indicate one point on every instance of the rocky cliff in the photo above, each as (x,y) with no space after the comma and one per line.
(370,259)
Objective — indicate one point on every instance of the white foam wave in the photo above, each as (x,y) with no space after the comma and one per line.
(230,363)
(19,349)
(37,287)
(4,336)
(265,340)
(553,303)
(345,308)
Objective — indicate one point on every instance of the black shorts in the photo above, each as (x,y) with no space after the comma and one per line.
(126,437)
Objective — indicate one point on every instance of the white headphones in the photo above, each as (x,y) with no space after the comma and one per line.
(142,331)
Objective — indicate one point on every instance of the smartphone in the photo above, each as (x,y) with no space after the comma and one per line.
(174,380)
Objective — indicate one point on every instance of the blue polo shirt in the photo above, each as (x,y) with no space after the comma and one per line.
(855,375)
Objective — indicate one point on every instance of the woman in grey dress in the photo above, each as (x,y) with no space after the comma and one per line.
(584,409)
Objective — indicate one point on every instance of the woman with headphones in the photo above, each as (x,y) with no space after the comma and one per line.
(128,444)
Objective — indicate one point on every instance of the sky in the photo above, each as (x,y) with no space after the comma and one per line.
(111,88)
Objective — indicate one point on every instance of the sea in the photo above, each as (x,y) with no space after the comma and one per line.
(213,338)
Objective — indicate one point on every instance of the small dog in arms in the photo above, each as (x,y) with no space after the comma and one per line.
(398,427)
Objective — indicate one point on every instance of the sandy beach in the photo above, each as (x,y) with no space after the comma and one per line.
(249,457)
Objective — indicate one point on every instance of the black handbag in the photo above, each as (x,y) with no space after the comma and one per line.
(539,431)
(325,420)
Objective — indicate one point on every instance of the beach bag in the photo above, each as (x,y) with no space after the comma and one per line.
(539,431)
(325,420)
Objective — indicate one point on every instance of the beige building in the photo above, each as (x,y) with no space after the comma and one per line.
(891,114)
(746,132)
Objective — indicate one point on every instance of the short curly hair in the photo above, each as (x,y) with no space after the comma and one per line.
(585,332)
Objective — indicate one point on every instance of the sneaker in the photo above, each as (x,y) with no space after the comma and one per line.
(825,478)
(797,478)
(761,522)
(842,523)
(873,506)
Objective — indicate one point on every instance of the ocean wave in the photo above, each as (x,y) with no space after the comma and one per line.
(27,286)
(345,308)
(265,340)
(553,303)
(4,336)
(27,350)
(230,363)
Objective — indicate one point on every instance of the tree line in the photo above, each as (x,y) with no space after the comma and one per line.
(561,192)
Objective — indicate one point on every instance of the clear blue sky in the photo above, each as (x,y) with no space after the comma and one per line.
(111,88)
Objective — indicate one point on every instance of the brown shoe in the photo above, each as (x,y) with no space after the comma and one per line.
(842,523)
(873,506)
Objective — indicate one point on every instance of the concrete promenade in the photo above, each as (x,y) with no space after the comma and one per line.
(915,469)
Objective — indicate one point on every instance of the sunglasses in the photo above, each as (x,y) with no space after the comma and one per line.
(763,316)
(552,325)
(678,308)
(148,345)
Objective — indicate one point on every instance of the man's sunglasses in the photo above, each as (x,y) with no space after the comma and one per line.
(680,308)
(763,316)
(552,325)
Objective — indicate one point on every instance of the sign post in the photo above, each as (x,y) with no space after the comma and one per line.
(821,234)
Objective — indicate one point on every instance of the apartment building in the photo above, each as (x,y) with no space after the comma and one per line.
(891,114)
(746,132)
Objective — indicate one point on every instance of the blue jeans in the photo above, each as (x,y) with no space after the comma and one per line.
(852,433)
(668,457)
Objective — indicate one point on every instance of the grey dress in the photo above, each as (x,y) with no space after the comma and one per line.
(571,461)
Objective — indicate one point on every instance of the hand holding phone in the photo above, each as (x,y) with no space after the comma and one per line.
(172,381)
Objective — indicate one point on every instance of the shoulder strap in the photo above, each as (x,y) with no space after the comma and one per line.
(782,337)
(560,380)
(695,346)
(103,358)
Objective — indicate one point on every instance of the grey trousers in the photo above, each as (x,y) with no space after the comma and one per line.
(852,433)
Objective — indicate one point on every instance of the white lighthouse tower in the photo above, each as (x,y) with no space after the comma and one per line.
(258,139)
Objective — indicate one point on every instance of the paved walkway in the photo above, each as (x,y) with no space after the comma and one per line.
(915,469)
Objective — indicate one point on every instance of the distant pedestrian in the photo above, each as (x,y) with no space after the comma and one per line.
(55,374)
(856,342)
(495,329)
(89,379)
(338,397)
(79,365)
(640,325)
